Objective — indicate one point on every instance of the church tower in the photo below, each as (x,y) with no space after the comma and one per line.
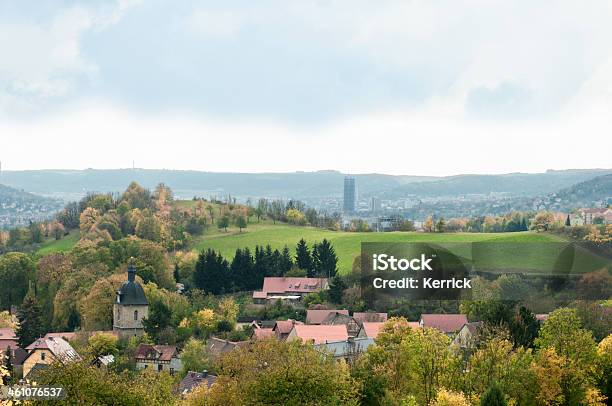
(130,307)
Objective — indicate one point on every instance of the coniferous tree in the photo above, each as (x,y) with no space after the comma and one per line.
(568,223)
(30,320)
(493,397)
(285,262)
(176,273)
(325,261)
(337,287)
(303,259)
(241,270)
(212,273)
(159,318)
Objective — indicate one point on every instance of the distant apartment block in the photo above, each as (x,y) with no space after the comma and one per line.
(590,216)
(350,195)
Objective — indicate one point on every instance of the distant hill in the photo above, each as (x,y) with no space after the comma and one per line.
(19,208)
(69,184)
(517,184)
(588,193)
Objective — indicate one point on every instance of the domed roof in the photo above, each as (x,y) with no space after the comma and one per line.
(131,293)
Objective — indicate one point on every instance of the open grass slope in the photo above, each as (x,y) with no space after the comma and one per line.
(65,244)
(346,244)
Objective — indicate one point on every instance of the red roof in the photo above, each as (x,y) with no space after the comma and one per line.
(320,334)
(448,323)
(8,338)
(317,316)
(155,352)
(67,335)
(263,333)
(372,328)
(293,285)
(285,326)
(369,317)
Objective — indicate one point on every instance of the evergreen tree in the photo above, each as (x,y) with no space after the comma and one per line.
(303,259)
(325,261)
(493,397)
(241,271)
(30,320)
(212,273)
(285,262)
(337,287)
(176,273)
(159,318)
(260,267)
(568,223)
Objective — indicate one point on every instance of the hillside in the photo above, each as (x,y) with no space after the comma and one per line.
(70,183)
(588,193)
(346,244)
(19,208)
(519,184)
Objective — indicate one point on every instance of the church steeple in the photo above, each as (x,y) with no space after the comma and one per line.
(131,273)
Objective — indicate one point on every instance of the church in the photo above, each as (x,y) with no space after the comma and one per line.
(130,308)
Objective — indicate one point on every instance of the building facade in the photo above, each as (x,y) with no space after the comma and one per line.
(130,308)
(350,195)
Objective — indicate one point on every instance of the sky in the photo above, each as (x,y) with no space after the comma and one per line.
(413,87)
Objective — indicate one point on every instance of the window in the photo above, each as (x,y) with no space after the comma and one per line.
(135,314)
(43,355)
(171,371)
(146,366)
(160,367)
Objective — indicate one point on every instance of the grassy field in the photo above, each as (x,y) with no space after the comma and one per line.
(347,245)
(65,244)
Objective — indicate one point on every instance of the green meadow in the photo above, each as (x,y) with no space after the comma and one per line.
(348,244)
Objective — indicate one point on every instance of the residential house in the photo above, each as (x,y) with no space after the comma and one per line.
(216,347)
(282,328)
(288,288)
(194,379)
(9,348)
(468,336)
(317,316)
(371,329)
(369,317)
(346,349)
(8,339)
(541,317)
(262,333)
(339,319)
(158,357)
(318,334)
(447,323)
(45,351)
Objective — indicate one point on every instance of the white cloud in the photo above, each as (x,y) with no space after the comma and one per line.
(419,141)
(42,60)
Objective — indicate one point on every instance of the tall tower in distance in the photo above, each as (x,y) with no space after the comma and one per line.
(350,197)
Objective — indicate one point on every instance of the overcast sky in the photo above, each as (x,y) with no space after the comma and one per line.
(431,87)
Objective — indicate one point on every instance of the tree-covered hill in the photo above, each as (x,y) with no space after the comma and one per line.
(588,193)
